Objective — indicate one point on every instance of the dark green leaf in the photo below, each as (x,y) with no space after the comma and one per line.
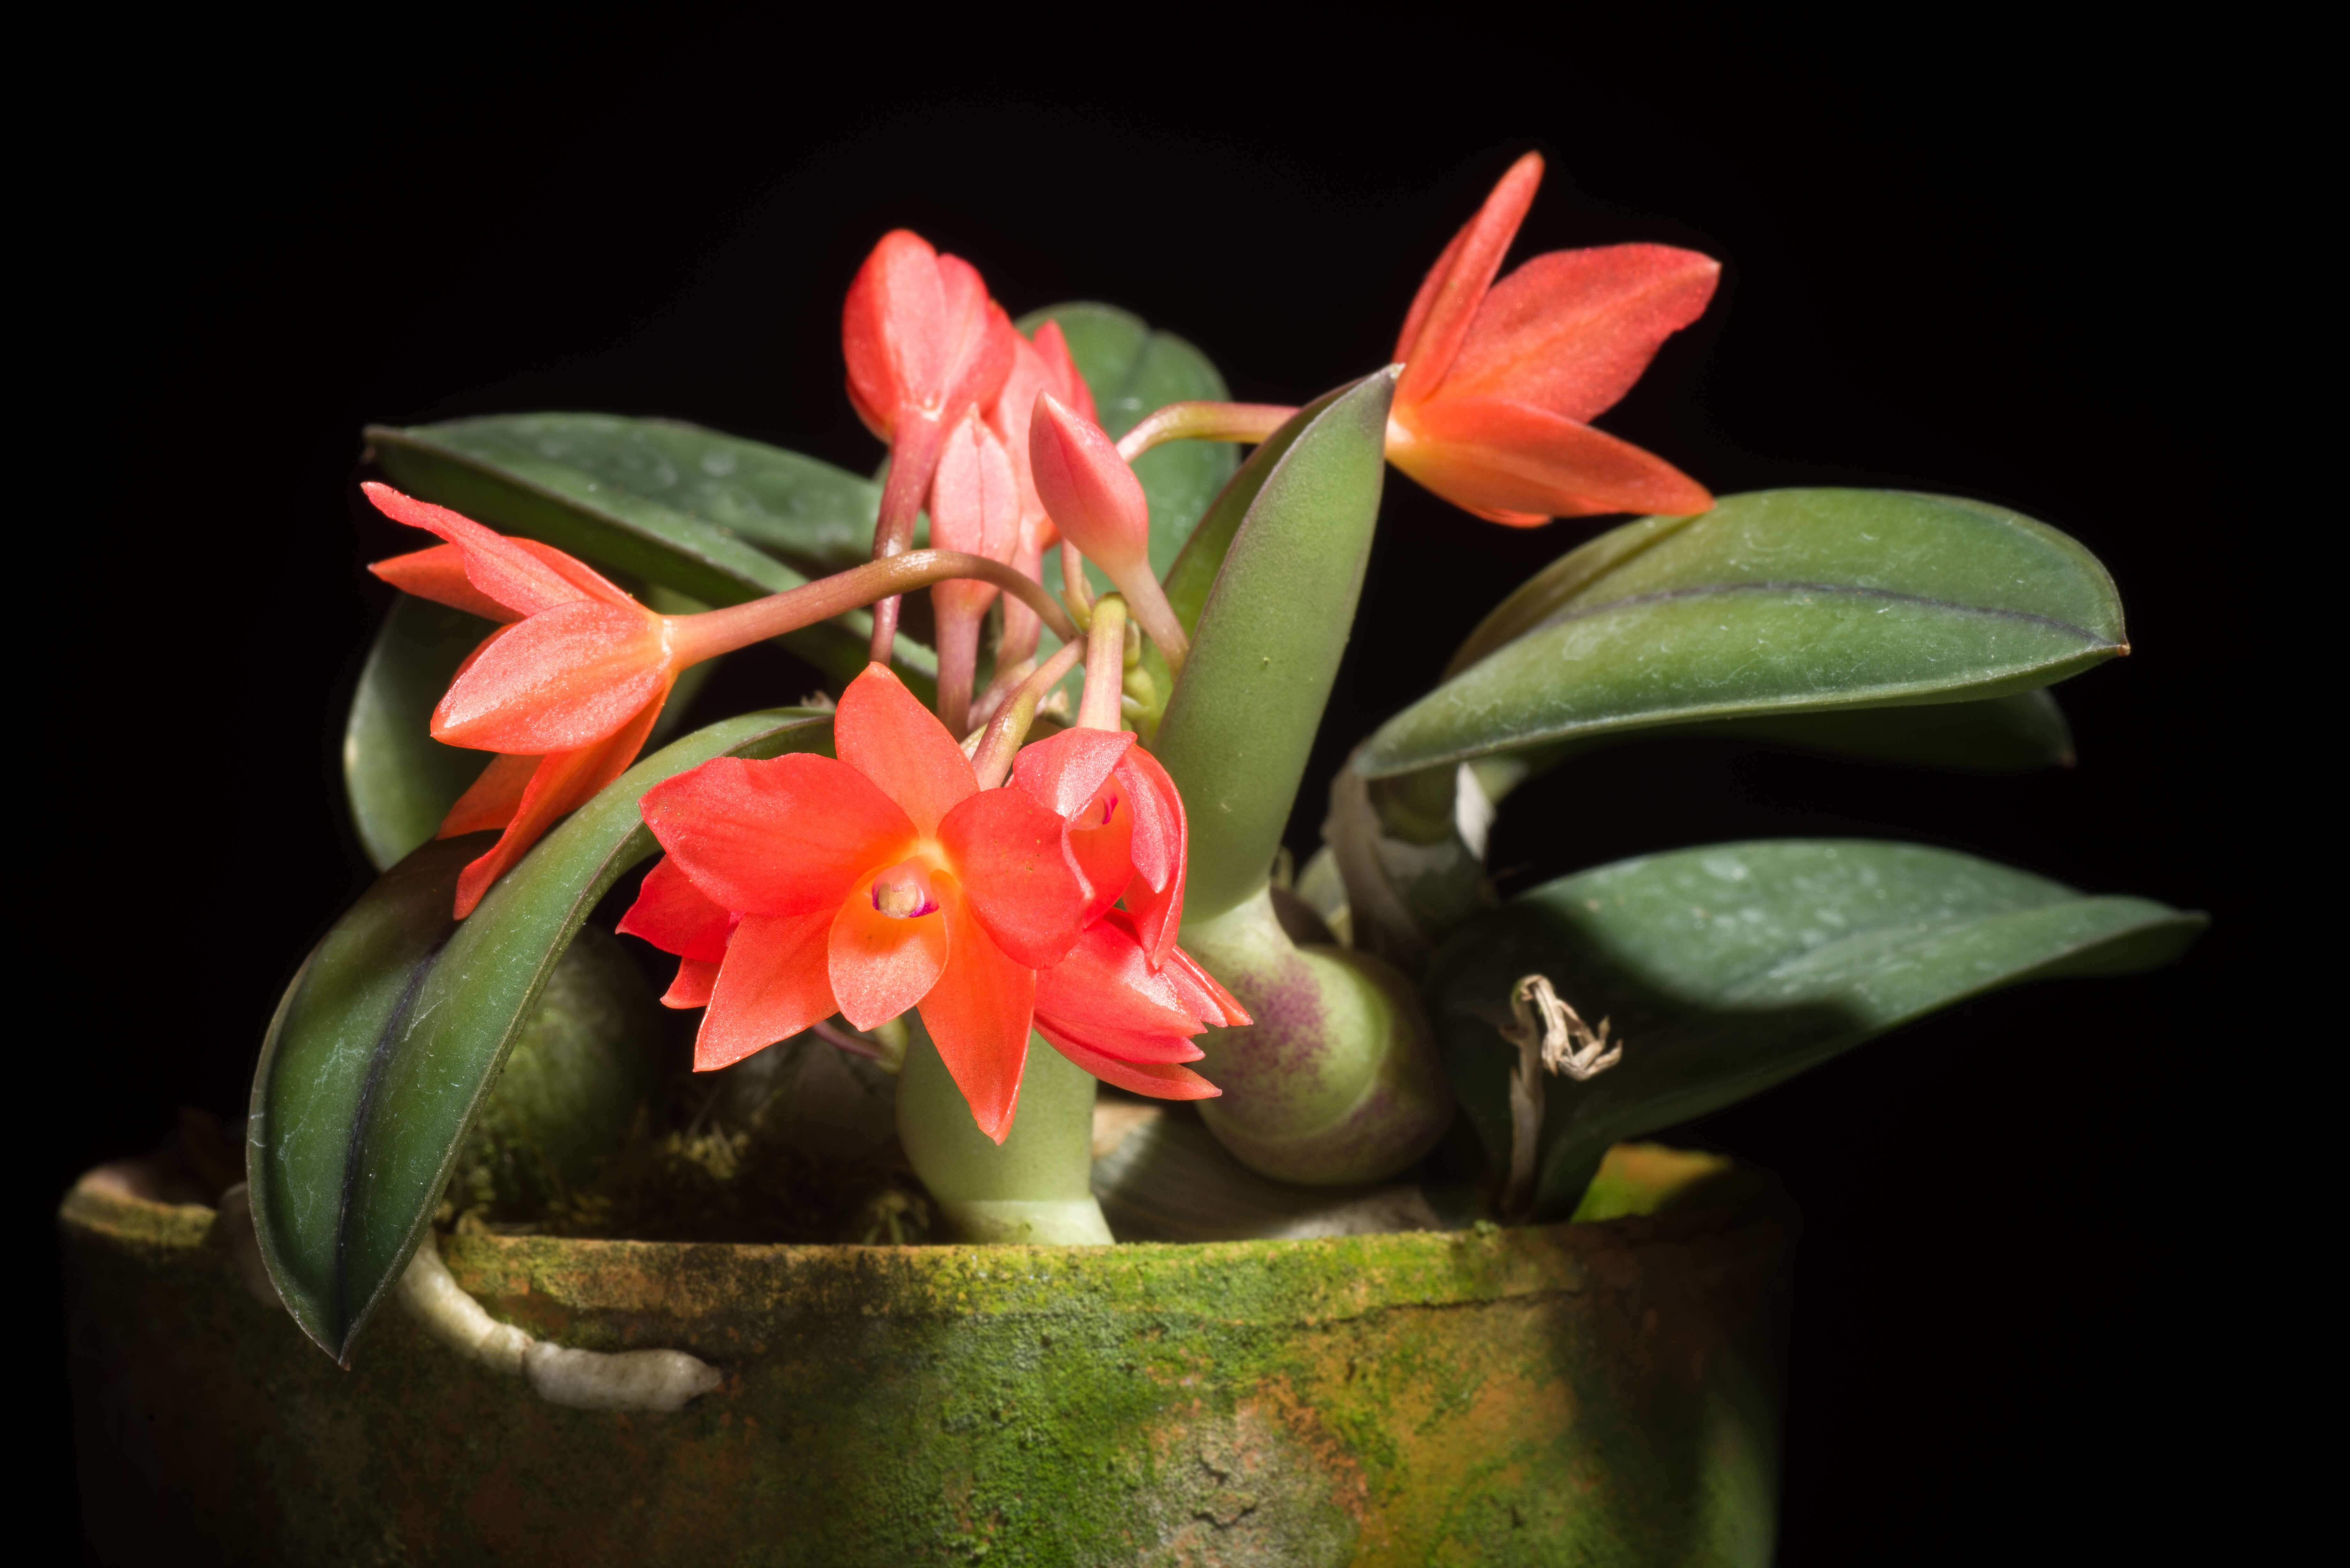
(1133,371)
(1242,719)
(807,514)
(395,1025)
(1995,734)
(1773,604)
(1726,970)
(400,781)
(597,498)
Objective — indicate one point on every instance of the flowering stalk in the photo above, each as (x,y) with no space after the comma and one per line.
(1246,422)
(712,632)
(1000,742)
(1099,709)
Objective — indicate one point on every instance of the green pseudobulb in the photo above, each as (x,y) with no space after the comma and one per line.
(578,1077)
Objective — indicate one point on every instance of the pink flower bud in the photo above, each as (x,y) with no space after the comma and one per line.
(1093,496)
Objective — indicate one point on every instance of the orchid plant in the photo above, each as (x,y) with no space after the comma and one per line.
(1033,848)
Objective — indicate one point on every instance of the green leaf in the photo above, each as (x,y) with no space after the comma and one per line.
(1202,556)
(1995,734)
(1133,371)
(1724,971)
(399,780)
(1776,603)
(805,512)
(1242,719)
(395,1028)
(638,498)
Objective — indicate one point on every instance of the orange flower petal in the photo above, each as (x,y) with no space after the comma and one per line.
(774,983)
(1571,331)
(1490,452)
(786,835)
(577,573)
(439,574)
(978,1016)
(677,917)
(1449,296)
(499,567)
(696,980)
(1010,858)
(492,800)
(1161,852)
(1160,1080)
(881,730)
(563,679)
(561,784)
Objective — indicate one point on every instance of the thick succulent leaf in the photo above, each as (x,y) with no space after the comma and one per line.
(1724,971)
(394,1030)
(1990,735)
(1133,371)
(1777,603)
(638,498)
(2021,730)
(1242,719)
(399,780)
(1202,555)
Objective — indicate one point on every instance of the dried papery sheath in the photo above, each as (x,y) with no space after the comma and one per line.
(1559,1043)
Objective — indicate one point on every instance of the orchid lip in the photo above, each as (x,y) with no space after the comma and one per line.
(903,893)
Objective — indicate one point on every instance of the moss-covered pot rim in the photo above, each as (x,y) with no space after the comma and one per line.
(1319,1279)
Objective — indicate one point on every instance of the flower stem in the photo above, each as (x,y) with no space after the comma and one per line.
(694,637)
(993,760)
(1147,601)
(1104,667)
(1249,422)
(913,459)
(1076,592)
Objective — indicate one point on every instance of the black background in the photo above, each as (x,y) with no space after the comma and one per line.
(1952,264)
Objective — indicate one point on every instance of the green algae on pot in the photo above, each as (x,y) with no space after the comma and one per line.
(1554,1394)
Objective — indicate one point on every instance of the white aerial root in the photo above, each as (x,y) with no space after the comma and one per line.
(586,1379)
(1562,1044)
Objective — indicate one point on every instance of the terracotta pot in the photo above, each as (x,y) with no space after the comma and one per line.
(1564,1394)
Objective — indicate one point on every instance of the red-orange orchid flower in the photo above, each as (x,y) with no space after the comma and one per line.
(566,696)
(1127,1000)
(1125,829)
(1500,380)
(924,345)
(885,880)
